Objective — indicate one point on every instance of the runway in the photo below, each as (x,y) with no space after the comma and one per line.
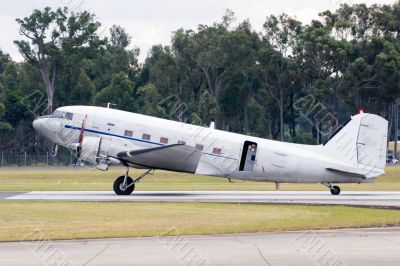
(326,247)
(352,198)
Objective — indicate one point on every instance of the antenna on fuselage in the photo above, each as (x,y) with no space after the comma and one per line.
(111,104)
(212,125)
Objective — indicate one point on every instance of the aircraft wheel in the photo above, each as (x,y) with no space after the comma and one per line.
(119,188)
(335,190)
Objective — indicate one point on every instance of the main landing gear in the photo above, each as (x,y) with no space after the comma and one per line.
(125,185)
(335,190)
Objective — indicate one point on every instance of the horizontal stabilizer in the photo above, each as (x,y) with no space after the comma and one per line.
(176,157)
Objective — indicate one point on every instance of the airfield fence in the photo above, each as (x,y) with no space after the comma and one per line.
(46,159)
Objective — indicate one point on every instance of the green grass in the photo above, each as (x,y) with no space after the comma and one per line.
(91,179)
(66,220)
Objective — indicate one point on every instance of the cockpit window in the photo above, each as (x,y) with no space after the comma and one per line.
(69,116)
(60,114)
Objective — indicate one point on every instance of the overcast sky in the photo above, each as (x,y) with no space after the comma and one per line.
(152,21)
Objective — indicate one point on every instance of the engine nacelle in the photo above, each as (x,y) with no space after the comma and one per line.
(95,150)
(90,149)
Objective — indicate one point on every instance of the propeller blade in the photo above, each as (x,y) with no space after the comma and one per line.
(81,135)
(82,130)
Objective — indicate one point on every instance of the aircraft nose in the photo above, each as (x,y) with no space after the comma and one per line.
(49,127)
(37,124)
(42,126)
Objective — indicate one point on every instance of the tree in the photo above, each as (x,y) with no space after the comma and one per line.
(84,90)
(149,100)
(119,37)
(280,34)
(164,71)
(225,72)
(4,59)
(208,108)
(323,62)
(52,34)
(119,92)
(191,73)
(207,49)
(122,59)
(10,76)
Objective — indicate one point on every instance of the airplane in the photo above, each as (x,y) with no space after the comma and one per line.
(104,136)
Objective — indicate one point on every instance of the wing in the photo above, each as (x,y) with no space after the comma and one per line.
(176,157)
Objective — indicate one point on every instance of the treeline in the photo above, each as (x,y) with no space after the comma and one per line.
(291,81)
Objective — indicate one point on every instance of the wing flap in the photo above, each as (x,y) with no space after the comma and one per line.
(176,157)
(346,172)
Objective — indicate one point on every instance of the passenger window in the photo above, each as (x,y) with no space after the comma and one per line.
(199,147)
(69,116)
(128,133)
(146,137)
(217,151)
(164,140)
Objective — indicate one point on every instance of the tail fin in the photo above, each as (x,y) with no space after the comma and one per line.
(362,144)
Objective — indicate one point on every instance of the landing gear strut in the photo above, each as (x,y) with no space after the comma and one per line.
(125,185)
(335,190)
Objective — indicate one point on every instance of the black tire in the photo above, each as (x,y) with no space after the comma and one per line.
(118,186)
(335,190)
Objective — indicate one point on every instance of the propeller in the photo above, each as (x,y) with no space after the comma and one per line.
(81,135)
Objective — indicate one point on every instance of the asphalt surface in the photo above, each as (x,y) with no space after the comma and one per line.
(352,198)
(327,247)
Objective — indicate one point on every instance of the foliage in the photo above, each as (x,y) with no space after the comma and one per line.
(84,90)
(119,93)
(149,99)
(226,72)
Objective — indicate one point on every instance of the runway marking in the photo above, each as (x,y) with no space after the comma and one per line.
(363,198)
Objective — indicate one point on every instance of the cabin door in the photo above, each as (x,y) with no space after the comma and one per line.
(248,156)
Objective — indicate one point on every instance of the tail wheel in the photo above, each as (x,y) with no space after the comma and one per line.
(124,189)
(335,190)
